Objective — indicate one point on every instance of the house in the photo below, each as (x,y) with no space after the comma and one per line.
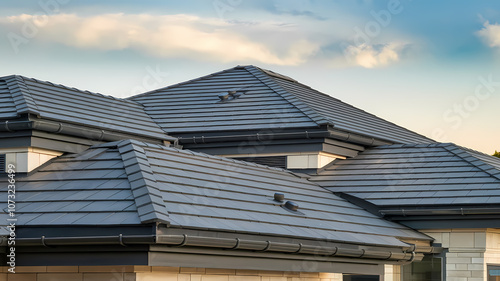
(244,174)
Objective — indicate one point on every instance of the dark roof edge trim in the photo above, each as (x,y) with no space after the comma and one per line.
(404,254)
(440,211)
(400,254)
(253,137)
(71,130)
(329,133)
(355,138)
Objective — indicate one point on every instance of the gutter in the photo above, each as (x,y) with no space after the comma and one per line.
(438,212)
(184,240)
(68,129)
(355,138)
(329,133)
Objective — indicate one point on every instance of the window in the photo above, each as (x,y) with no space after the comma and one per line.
(355,277)
(493,272)
(2,163)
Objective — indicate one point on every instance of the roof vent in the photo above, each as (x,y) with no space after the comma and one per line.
(235,94)
(278,196)
(231,95)
(292,206)
(223,97)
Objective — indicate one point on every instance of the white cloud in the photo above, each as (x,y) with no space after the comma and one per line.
(180,35)
(370,56)
(491,34)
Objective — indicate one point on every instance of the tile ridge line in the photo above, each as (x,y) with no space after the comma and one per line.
(154,210)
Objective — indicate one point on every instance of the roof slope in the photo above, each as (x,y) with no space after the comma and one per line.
(345,116)
(132,182)
(417,175)
(7,106)
(56,102)
(91,188)
(270,100)
(195,106)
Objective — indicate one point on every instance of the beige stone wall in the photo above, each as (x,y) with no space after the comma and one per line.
(392,272)
(154,273)
(492,253)
(469,252)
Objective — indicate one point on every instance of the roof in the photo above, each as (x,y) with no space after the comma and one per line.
(441,174)
(21,95)
(85,189)
(195,106)
(131,182)
(268,100)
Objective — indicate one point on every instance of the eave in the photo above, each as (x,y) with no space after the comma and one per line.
(74,130)
(193,242)
(280,134)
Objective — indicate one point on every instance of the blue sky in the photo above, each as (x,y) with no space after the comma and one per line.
(430,66)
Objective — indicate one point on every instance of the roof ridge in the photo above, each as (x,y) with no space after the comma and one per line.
(346,103)
(147,196)
(215,157)
(184,82)
(210,156)
(293,100)
(465,154)
(194,153)
(21,95)
(79,90)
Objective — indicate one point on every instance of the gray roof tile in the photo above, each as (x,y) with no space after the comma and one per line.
(191,106)
(192,190)
(69,189)
(271,100)
(7,104)
(70,105)
(445,174)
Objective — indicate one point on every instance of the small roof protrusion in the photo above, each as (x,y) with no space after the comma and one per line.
(292,206)
(223,97)
(278,196)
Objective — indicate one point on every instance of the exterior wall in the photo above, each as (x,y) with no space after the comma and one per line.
(310,161)
(301,160)
(469,252)
(492,254)
(392,272)
(154,273)
(27,159)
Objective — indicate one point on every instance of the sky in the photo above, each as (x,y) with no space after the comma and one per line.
(430,66)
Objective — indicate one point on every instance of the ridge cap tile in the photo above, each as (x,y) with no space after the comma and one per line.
(298,103)
(465,154)
(143,182)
